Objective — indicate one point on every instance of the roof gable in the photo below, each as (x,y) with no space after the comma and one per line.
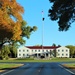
(62,47)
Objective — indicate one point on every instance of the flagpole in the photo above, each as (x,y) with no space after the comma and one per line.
(42,29)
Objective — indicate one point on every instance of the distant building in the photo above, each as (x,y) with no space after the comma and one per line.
(63,52)
(42,52)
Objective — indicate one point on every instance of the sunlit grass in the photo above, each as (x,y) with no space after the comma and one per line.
(70,65)
(9,66)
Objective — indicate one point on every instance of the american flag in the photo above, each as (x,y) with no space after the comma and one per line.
(43,17)
(42,12)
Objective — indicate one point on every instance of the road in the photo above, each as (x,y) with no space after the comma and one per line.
(39,69)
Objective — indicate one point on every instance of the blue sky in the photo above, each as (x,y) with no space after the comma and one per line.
(33,17)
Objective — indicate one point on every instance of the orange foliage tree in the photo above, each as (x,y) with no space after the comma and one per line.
(12,26)
(10,20)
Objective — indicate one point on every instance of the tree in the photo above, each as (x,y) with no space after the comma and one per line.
(12,25)
(59,45)
(64,12)
(54,44)
(9,26)
(72,50)
(26,31)
(4,52)
(13,50)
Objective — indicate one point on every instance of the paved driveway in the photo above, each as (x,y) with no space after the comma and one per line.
(39,69)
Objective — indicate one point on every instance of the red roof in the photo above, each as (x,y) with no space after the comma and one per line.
(44,47)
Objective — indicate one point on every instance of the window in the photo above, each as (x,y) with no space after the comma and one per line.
(19,54)
(58,54)
(58,50)
(42,50)
(23,50)
(23,54)
(62,50)
(27,50)
(66,50)
(38,50)
(66,54)
(35,50)
(62,54)
(46,50)
(27,54)
(19,50)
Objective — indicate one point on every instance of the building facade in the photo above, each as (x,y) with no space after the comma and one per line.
(63,52)
(42,52)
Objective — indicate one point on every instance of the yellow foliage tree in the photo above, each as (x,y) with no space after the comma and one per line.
(10,20)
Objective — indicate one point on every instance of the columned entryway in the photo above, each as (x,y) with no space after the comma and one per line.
(42,55)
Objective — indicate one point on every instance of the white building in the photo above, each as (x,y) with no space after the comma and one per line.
(63,52)
(42,52)
(23,52)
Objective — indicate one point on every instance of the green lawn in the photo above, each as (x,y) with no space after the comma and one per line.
(5,66)
(40,60)
(9,66)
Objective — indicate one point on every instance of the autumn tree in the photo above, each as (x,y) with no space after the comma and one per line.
(10,28)
(64,12)
(11,22)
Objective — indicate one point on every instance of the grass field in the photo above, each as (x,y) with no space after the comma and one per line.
(8,66)
(40,60)
(5,66)
(71,65)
